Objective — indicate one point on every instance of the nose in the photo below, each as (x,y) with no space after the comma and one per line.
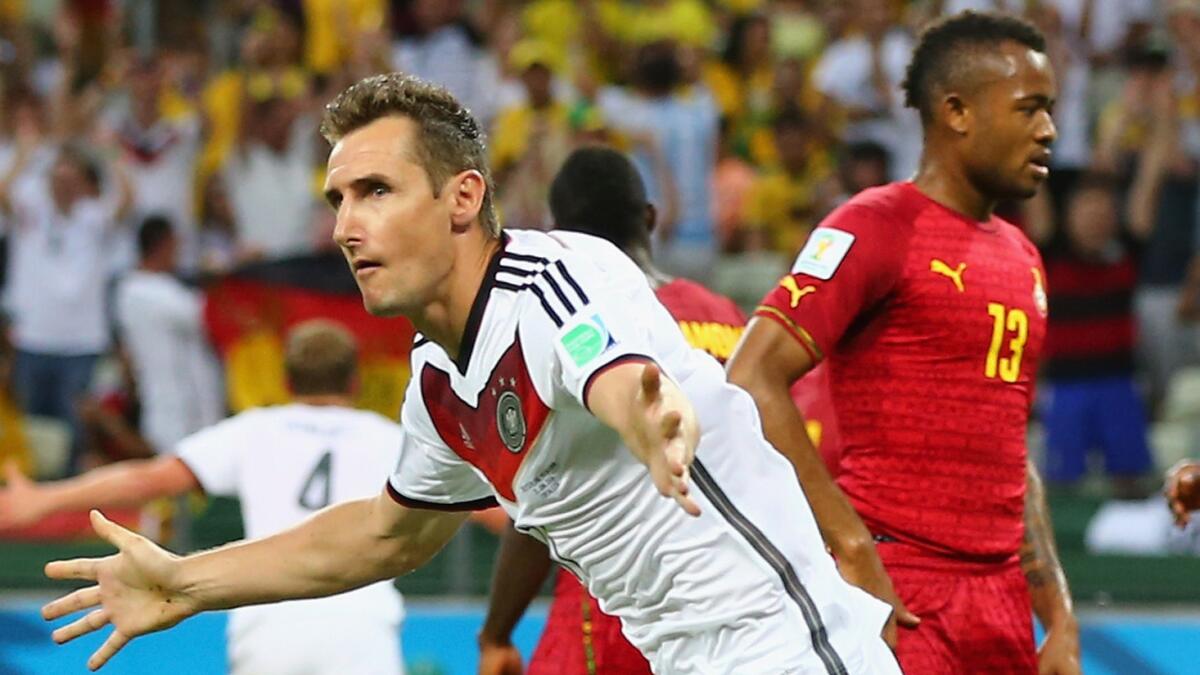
(1046,131)
(346,229)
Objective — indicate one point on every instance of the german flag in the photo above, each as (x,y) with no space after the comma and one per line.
(250,311)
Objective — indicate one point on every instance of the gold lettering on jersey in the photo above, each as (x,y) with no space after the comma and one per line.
(797,292)
(717,339)
(954,274)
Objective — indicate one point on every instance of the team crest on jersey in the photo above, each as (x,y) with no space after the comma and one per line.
(1039,293)
(510,421)
(824,251)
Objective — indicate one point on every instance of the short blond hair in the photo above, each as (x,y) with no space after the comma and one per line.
(321,358)
(449,140)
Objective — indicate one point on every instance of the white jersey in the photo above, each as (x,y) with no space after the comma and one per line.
(746,587)
(284,463)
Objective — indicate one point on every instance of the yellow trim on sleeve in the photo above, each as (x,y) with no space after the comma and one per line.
(806,340)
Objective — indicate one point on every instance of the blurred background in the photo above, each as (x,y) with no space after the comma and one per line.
(186,134)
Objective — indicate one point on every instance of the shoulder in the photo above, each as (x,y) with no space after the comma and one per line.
(682,297)
(886,210)
(1017,236)
(572,259)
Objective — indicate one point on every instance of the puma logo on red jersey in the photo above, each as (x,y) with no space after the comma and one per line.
(955,274)
(797,292)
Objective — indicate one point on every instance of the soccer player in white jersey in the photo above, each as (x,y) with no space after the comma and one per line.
(550,380)
(283,463)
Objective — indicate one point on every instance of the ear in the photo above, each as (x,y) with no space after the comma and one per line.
(651,217)
(956,113)
(466,191)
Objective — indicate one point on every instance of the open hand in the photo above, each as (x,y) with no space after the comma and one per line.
(134,591)
(668,442)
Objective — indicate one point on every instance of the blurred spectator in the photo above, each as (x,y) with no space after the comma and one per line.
(161,154)
(796,30)
(162,326)
(1165,343)
(861,166)
(787,200)
(111,418)
(733,179)
(62,220)
(269,179)
(682,123)
(448,50)
(217,244)
(861,73)
(529,141)
(741,81)
(1090,397)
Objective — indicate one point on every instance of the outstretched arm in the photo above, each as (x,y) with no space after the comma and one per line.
(522,565)
(655,420)
(129,483)
(143,588)
(1059,653)
(766,363)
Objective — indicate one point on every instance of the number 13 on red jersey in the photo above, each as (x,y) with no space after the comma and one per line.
(1010,329)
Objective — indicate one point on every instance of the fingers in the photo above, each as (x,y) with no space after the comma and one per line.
(905,618)
(79,569)
(84,598)
(111,646)
(110,531)
(670,424)
(651,380)
(95,620)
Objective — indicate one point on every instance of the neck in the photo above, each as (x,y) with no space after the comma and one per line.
(948,185)
(640,254)
(444,320)
(333,400)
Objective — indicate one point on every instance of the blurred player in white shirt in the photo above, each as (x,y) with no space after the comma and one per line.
(548,379)
(283,463)
(161,323)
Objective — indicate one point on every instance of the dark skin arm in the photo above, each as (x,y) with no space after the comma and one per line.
(1059,651)
(522,565)
(766,342)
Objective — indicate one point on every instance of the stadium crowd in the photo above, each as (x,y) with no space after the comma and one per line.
(147,149)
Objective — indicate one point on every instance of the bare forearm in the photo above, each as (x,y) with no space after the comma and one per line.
(521,568)
(842,529)
(338,549)
(1039,560)
(130,483)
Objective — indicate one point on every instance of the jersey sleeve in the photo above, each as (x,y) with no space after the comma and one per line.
(598,322)
(212,455)
(430,475)
(849,264)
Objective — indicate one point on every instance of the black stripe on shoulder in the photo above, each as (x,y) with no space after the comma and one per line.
(409,502)
(504,285)
(419,341)
(515,271)
(562,269)
(546,305)
(562,297)
(509,255)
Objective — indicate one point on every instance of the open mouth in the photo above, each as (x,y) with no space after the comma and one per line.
(1041,165)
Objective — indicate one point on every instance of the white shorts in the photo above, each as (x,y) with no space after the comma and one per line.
(335,645)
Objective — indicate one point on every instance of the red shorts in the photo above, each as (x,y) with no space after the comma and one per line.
(974,618)
(579,638)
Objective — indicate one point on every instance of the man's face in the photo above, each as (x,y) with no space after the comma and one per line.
(1007,144)
(67,182)
(396,235)
(537,80)
(1092,220)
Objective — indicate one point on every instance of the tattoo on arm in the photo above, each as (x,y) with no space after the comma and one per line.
(1038,554)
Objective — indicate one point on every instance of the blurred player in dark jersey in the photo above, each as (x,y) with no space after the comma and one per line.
(930,313)
(599,192)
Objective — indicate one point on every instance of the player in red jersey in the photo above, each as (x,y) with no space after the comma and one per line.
(930,312)
(599,192)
